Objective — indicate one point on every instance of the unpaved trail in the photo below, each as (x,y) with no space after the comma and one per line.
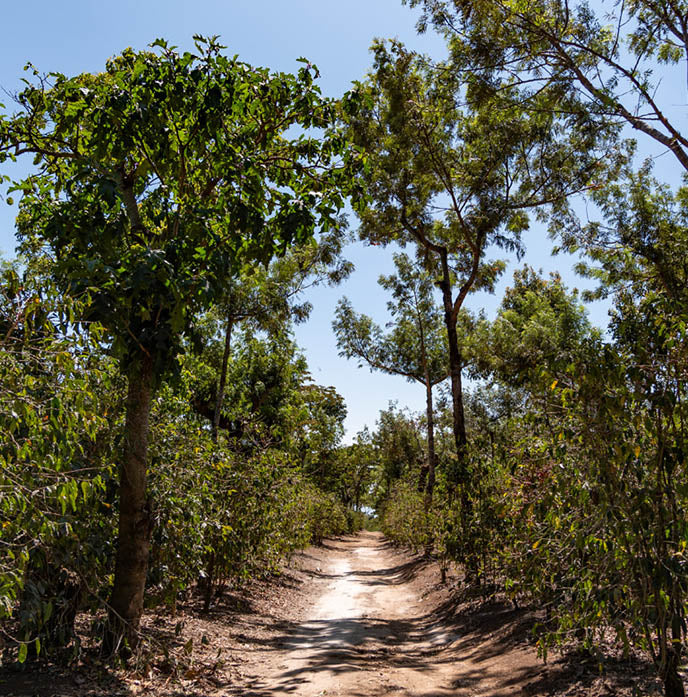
(366,631)
(354,617)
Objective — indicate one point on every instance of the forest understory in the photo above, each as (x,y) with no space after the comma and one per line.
(354,616)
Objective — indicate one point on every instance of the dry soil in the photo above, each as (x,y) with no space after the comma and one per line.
(354,617)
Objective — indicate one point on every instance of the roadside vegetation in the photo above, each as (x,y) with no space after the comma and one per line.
(161,435)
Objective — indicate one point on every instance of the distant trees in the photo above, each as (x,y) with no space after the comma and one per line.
(414,348)
(268,298)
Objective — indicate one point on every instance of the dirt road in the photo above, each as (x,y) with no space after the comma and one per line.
(367,630)
(354,617)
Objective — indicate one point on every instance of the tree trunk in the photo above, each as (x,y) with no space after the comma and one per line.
(429,469)
(422,477)
(455,366)
(673,683)
(431,441)
(209,582)
(135,523)
(461,475)
(223,380)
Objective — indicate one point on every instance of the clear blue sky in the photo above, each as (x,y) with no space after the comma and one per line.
(74,36)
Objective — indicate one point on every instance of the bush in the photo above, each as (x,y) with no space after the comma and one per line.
(56,393)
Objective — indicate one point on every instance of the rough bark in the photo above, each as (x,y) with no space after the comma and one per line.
(135,523)
(223,379)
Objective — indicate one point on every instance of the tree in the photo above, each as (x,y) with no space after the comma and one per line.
(317,428)
(601,65)
(356,463)
(600,457)
(457,179)
(539,323)
(268,297)
(414,348)
(158,179)
(639,255)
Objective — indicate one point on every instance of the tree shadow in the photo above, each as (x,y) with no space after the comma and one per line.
(394,575)
(42,679)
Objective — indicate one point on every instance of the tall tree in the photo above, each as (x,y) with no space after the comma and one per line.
(158,179)
(415,347)
(456,180)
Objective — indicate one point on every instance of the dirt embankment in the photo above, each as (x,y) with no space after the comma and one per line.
(355,617)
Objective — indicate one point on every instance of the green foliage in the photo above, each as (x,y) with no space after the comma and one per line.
(180,163)
(399,451)
(578,451)
(158,180)
(58,397)
(225,513)
(406,519)
(592,68)
(415,346)
(222,513)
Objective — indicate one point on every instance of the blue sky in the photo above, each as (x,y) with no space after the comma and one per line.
(79,35)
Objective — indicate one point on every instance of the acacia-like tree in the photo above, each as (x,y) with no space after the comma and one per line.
(415,347)
(610,63)
(455,179)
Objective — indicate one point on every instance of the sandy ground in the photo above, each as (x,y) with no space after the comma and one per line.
(364,633)
(374,625)
(354,617)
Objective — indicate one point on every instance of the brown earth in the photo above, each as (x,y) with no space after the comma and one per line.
(355,617)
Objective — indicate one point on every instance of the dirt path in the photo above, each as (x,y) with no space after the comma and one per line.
(367,631)
(354,617)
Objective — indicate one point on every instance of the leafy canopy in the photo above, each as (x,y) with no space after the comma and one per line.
(161,176)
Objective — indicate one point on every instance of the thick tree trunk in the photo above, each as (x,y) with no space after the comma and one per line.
(135,523)
(223,379)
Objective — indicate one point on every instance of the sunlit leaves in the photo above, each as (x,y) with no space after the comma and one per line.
(165,173)
(55,393)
